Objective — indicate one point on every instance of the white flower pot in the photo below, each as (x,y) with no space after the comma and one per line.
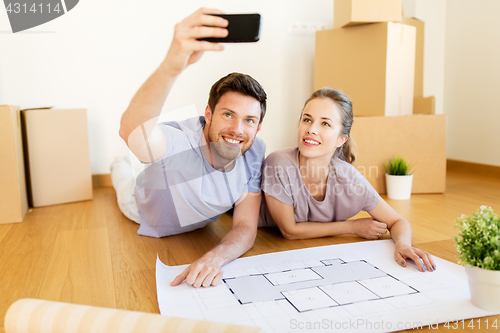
(484,287)
(398,187)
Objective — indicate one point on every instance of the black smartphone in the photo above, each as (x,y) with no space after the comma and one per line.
(243,28)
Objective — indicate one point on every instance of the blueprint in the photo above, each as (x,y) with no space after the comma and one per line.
(348,287)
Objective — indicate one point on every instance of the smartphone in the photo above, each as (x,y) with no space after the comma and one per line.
(243,28)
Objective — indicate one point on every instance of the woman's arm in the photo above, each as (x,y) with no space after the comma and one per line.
(401,233)
(284,218)
(384,217)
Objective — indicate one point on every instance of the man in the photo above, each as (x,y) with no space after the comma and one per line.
(198,168)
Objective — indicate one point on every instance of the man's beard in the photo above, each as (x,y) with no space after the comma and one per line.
(223,152)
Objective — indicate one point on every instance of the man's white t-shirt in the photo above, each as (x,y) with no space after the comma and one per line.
(181,191)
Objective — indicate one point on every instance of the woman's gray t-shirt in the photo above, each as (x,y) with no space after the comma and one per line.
(347,191)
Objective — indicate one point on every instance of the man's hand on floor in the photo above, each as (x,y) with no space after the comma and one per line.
(203,272)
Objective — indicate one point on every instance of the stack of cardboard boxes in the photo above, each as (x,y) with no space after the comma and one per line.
(375,56)
(44,159)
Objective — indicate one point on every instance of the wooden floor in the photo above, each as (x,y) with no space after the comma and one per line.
(89,253)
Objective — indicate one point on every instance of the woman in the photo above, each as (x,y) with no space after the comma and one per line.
(312,190)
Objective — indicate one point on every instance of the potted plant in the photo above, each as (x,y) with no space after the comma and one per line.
(478,245)
(398,179)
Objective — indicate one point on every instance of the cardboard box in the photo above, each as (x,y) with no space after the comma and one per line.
(424,105)
(373,64)
(353,12)
(418,90)
(421,105)
(13,198)
(58,156)
(420,139)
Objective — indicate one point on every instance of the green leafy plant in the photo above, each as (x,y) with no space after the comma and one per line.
(397,167)
(478,241)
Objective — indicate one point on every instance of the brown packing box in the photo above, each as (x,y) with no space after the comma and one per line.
(13,199)
(58,156)
(418,90)
(424,105)
(421,105)
(420,139)
(352,12)
(373,64)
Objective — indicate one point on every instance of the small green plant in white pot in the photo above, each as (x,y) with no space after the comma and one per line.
(398,179)
(478,246)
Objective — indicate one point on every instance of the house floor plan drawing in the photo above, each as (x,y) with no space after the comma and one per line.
(328,283)
(351,287)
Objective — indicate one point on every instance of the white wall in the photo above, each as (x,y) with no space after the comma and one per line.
(433,13)
(97,55)
(461,68)
(472,80)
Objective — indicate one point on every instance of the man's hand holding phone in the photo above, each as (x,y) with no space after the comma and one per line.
(186,47)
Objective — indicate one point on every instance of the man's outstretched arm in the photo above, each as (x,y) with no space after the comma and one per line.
(138,124)
(207,270)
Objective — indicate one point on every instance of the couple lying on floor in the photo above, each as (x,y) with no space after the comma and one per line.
(201,167)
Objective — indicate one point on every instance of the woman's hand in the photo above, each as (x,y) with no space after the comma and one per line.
(368,228)
(421,258)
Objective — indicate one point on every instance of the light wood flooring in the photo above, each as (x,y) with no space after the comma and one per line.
(89,253)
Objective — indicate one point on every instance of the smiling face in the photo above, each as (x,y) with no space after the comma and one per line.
(231,128)
(320,129)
